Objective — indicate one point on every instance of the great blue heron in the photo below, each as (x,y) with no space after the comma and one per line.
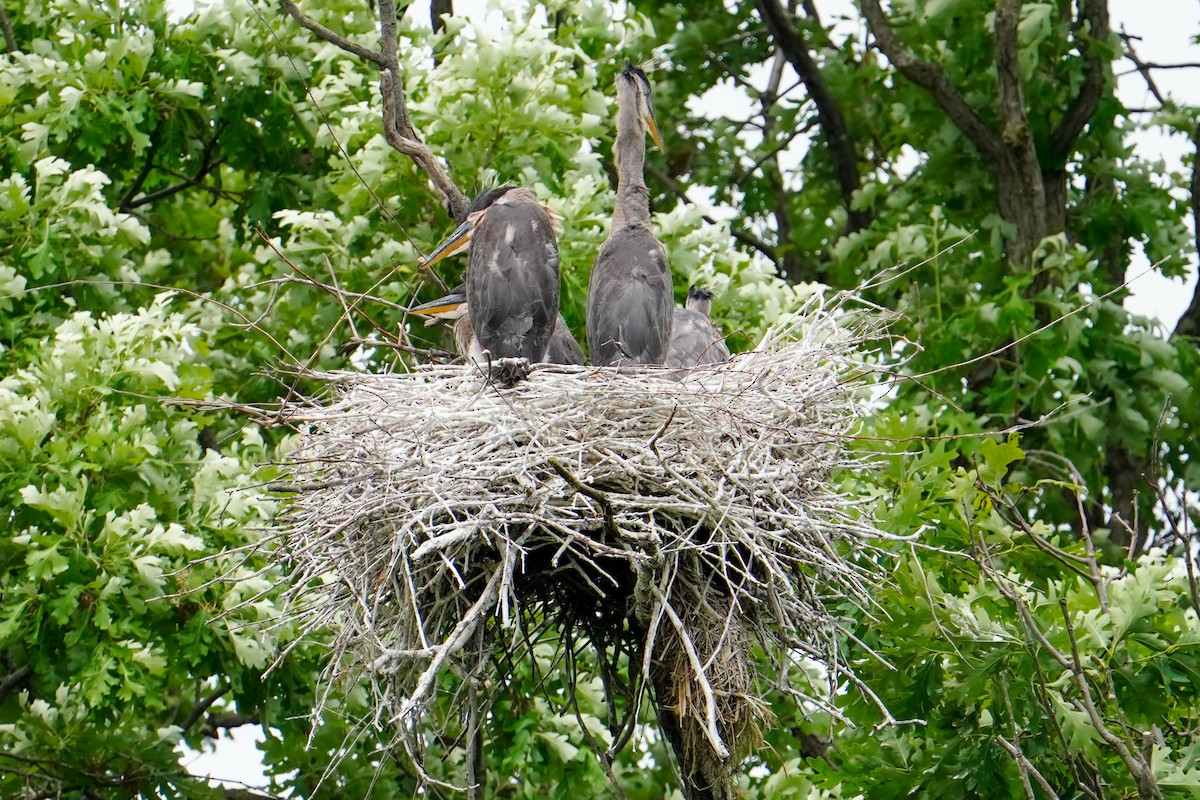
(512,273)
(629,294)
(563,348)
(695,340)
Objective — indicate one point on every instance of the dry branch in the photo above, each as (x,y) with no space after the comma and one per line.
(397,127)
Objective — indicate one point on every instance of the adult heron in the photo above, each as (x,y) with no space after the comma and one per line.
(695,340)
(563,349)
(629,293)
(512,273)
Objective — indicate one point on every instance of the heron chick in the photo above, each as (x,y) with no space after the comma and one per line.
(629,293)
(563,348)
(695,340)
(512,280)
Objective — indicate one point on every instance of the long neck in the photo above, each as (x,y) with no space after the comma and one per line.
(633,200)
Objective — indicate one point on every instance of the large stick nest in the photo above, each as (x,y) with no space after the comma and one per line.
(675,517)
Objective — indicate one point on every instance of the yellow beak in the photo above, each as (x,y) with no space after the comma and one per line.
(443,308)
(455,242)
(652,126)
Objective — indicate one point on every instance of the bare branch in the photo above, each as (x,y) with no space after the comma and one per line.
(929,76)
(215,723)
(374,56)
(841,147)
(1138,768)
(397,126)
(395,115)
(1142,67)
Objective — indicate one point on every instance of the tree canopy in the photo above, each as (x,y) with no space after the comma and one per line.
(192,207)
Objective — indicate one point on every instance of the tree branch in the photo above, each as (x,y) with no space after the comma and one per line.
(203,706)
(841,147)
(397,126)
(1142,67)
(679,190)
(929,76)
(140,180)
(394,111)
(215,723)
(10,41)
(1079,113)
(365,53)
(207,164)
(1014,122)
(14,679)
(438,9)
(1189,323)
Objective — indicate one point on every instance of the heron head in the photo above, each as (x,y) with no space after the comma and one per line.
(451,306)
(635,80)
(699,298)
(458,240)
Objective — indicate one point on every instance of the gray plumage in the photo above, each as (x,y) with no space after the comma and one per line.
(695,340)
(629,293)
(512,275)
(563,349)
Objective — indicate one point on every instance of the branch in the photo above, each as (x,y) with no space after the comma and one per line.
(207,165)
(1095,14)
(1014,122)
(14,679)
(1189,323)
(231,793)
(215,723)
(397,126)
(203,706)
(365,53)
(841,147)
(1140,770)
(140,180)
(10,41)
(930,77)
(1142,67)
(395,114)
(679,190)
(438,9)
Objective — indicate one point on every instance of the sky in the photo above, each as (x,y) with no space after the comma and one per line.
(1166,27)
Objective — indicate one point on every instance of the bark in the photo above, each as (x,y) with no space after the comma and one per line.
(1032,200)
(1189,323)
(1021,192)
(10,41)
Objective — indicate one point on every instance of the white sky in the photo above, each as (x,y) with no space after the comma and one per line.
(1167,28)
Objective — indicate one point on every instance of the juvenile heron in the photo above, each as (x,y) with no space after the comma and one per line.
(512,273)
(629,294)
(563,348)
(695,340)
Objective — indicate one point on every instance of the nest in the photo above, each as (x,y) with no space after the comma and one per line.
(674,520)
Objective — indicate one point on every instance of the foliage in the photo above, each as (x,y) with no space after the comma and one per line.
(236,159)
